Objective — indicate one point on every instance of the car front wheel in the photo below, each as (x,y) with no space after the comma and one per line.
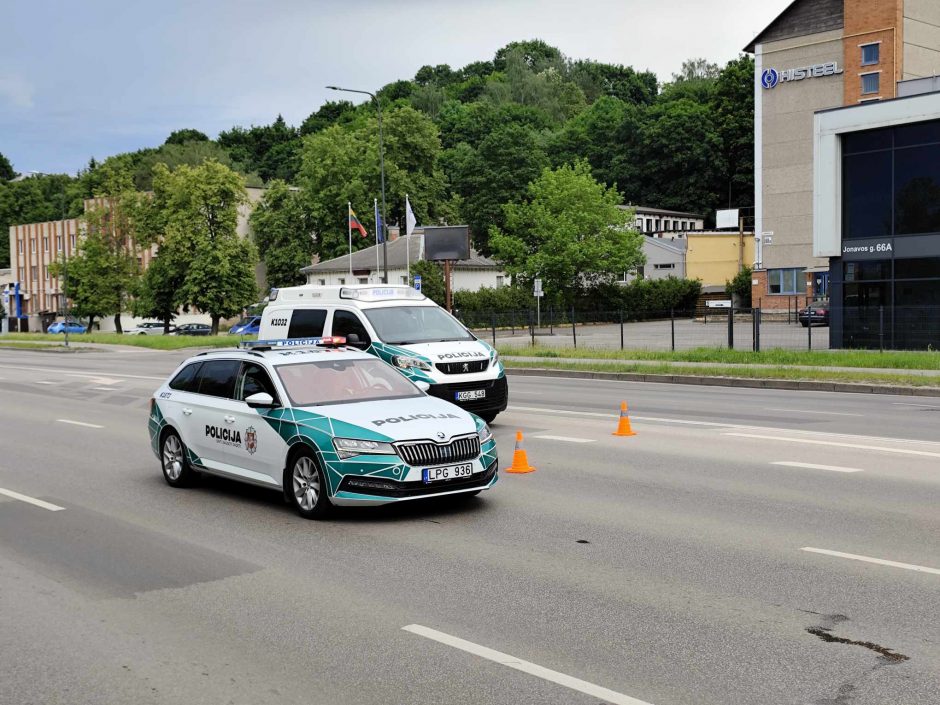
(307,487)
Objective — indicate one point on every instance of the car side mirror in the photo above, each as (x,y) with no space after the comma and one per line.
(261,400)
(423,386)
(353,340)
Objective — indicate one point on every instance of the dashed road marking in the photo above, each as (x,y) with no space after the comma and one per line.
(40,381)
(590,689)
(79,423)
(821,413)
(31,500)
(814,466)
(837,444)
(868,559)
(565,439)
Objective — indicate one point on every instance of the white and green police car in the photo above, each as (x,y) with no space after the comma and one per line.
(402,327)
(328,425)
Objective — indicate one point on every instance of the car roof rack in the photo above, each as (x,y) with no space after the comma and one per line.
(228,351)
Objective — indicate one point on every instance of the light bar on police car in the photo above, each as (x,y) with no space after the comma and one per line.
(327,342)
(380,293)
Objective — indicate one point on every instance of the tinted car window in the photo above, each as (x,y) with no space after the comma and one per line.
(217,378)
(253,380)
(307,323)
(186,380)
(346,322)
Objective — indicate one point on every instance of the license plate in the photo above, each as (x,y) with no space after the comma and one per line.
(448,472)
(470,395)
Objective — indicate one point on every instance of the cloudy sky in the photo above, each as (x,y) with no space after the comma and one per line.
(94,78)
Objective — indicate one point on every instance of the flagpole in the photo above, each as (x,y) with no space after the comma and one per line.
(349,226)
(407,244)
(375,209)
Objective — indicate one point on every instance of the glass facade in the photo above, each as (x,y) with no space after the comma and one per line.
(888,278)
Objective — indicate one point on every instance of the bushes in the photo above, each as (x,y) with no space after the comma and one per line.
(642,298)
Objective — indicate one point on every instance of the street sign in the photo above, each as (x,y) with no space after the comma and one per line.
(768,237)
(537,289)
(417,282)
(721,303)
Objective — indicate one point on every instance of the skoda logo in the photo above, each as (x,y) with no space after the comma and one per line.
(769,78)
(440,434)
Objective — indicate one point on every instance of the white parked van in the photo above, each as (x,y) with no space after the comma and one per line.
(404,328)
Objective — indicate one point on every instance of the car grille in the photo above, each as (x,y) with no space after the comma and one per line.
(497,393)
(430,453)
(462,368)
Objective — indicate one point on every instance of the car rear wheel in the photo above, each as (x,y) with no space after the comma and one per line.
(307,489)
(176,468)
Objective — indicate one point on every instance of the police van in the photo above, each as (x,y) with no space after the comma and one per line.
(326,424)
(401,326)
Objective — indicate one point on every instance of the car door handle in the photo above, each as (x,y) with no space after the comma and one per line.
(187,412)
(229,419)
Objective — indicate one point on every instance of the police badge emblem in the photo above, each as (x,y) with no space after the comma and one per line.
(251,440)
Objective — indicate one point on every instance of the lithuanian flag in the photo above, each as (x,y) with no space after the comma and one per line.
(354,223)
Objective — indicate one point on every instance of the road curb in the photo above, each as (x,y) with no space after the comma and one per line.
(790,384)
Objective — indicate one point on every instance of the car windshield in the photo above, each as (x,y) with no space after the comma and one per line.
(343,381)
(403,325)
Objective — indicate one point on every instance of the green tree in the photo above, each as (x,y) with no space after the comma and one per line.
(252,148)
(158,291)
(282,235)
(201,217)
(569,231)
(740,286)
(330,113)
(341,165)
(733,106)
(534,53)
(493,175)
(432,280)
(596,135)
(6,169)
(186,135)
(623,82)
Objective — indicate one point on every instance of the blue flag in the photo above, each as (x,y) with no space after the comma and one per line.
(379,231)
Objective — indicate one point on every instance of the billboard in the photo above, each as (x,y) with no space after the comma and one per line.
(726,218)
(447,242)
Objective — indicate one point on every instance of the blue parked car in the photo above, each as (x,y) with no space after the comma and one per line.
(247,326)
(73,327)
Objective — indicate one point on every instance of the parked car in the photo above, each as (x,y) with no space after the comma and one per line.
(149,328)
(72,325)
(193,329)
(247,326)
(817,314)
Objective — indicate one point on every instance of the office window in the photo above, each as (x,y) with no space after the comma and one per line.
(58,242)
(32,244)
(72,241)
(667,265)
(321,282)
(365,280)
(404,280)
(870,54)
(45,243)
(47,272)
(916,185)
(785,281)
(866,195)
(871,82)
(342,281)
(34,273)
(19,247)
(22,273)
(649,224)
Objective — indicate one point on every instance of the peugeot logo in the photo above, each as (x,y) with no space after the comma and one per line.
(769,78)
(440,434)
(466,367)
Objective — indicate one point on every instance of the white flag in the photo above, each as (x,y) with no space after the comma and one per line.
(410,220)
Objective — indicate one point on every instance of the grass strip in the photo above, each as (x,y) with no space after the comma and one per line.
(783,373)
(895,359)
(153,342)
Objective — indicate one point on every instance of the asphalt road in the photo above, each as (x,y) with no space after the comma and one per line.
(664,568)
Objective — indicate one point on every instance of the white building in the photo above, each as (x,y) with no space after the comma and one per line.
(367,266)
(658,221)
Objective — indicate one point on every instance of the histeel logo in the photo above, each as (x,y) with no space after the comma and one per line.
(769,78)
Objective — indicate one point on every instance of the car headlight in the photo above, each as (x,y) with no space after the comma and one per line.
(495,358)
(404,363)
(349,447)
(484,433)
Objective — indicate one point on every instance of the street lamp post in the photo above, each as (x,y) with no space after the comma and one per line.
(65,262)
(378,107)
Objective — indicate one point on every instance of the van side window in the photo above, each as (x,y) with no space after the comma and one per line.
(186,380)
(217,378)
(307,323)
(346,322)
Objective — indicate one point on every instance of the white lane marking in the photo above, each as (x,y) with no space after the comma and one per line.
(813,441)
(104,380)
(814,466)
(86,375)
(867,559)
(43,382)
(807,411)
(104,389)
(566,439)
(31,500)
(79,423)
(595,691)
(918,406)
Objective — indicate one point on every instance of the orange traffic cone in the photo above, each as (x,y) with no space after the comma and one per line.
(520,461)
(623,427)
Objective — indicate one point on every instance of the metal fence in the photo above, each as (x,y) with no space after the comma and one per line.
(910,328)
